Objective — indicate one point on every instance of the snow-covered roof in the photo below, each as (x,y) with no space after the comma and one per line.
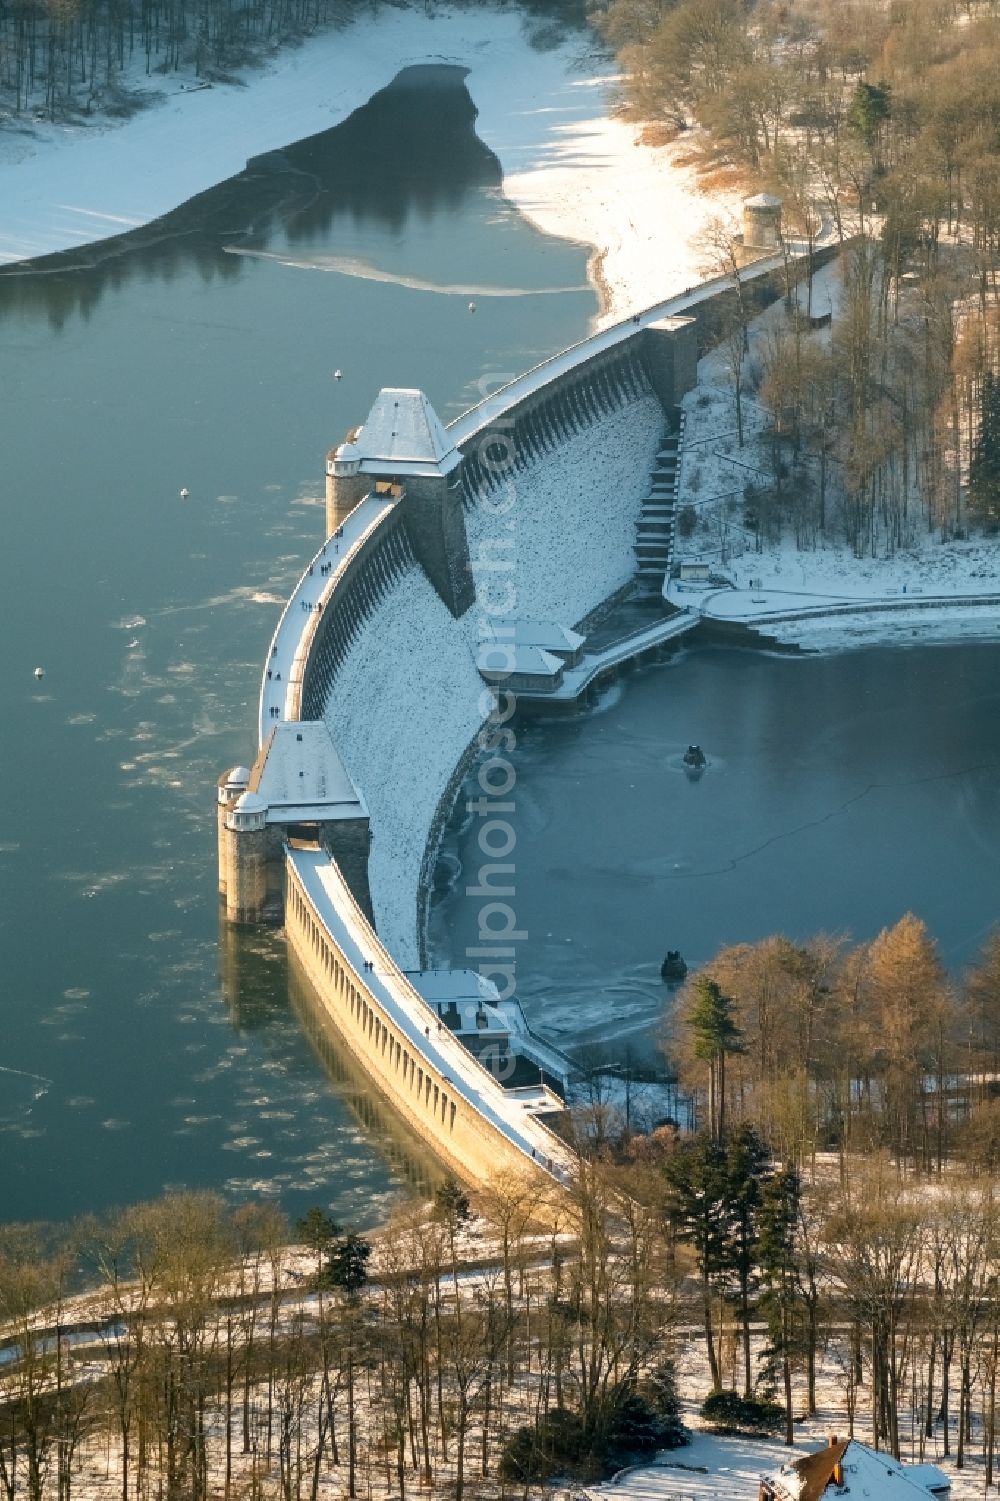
(436,985)
(868,1472)
(403,434)
(547,634)
(762,200)
(301,778)
(497,659)
(250,802)
(238,777)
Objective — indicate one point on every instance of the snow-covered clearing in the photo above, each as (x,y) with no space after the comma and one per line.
(713,1468)
(546,111)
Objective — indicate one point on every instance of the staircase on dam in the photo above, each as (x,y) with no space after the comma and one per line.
(654,530)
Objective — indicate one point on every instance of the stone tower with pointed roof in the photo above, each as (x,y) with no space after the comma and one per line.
(402,445)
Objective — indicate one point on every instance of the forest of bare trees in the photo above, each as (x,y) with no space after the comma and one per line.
(824,1245)
(827,1047)
(66,59)
(205,1356)
(879,118)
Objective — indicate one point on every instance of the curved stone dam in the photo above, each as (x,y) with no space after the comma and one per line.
(457,566)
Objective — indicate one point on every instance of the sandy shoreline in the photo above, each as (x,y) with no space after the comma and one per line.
(570,165)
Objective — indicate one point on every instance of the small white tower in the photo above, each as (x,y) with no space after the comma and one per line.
(762,222)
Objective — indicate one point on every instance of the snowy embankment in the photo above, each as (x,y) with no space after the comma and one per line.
(820,597)
(572,167)
(572,523)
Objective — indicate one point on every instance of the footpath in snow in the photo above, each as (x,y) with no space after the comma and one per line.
(547,113)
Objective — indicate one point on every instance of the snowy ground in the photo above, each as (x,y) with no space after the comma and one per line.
(729,1469)
(547,114)
(928,590)
(713,1468)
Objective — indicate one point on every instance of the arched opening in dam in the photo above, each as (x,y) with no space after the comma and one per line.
(842,790)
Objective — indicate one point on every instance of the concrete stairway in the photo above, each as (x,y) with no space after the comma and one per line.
(654,530)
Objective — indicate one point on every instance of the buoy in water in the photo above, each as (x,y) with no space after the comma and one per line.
(472,307)
(39,672)
(338,375)
(185,492)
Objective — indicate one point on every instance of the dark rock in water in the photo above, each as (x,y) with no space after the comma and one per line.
(673,967)
(694,756)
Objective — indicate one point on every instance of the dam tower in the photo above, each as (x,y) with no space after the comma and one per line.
(403,450)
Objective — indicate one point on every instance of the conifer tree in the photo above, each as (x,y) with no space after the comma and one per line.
(779,1218)
(710,1019)
(984,464)
(697,1209)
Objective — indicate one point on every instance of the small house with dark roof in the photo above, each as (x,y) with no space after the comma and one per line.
(849,1468)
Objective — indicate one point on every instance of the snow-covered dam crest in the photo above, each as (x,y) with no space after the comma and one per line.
(457,565)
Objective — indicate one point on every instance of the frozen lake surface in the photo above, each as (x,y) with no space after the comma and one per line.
(842,791)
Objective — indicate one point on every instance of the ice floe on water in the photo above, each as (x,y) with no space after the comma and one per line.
(364,271)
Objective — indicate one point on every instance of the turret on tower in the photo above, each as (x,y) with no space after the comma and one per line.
(345,484)
(298,790)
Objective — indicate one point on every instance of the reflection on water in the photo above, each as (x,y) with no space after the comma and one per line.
(840,792)
(365,172)
(416,1167)
(167,364)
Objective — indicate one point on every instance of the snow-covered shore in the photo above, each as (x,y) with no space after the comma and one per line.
(546,112)
(823,597)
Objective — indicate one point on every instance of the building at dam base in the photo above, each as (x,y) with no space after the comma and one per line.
(457,565)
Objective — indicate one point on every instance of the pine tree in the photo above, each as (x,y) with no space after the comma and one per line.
(984,465)
(779,1217)
(748,1165)
(710,1018)
(871,106)
(697,1208)
(347,1268)
(319,1232)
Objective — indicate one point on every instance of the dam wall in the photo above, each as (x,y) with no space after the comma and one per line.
(452,1103)
(372,695)
(550,537)
(408,699)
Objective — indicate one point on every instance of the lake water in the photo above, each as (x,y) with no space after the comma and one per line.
(842,791)
(135,1051)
